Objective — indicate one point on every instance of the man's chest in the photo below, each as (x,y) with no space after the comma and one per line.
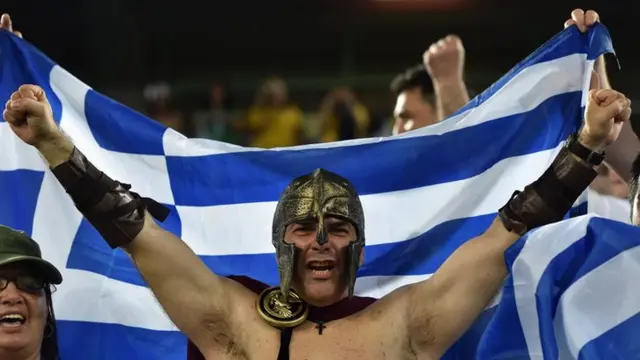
(339,340)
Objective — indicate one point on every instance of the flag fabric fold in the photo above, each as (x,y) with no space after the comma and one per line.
(425,193)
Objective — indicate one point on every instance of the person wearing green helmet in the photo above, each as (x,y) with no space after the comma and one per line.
(27,323)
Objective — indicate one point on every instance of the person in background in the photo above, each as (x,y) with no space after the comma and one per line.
(430,92)
(27,323)
(634,192)
(608,182)
(216,123)
(342,116)
(415,100)
(160,107)
(272,121)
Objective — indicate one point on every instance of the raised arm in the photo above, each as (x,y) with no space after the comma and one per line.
(441,309)
(622,152)
(444,61)
(200,303)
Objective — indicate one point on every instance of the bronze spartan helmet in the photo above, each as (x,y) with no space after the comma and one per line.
(316,196)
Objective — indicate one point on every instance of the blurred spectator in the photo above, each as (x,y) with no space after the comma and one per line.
(608,182)
(160,108)
(342,116)
(431,92)
(415,100)
(216,122)
(272,120)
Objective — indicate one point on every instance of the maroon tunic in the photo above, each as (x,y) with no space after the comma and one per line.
(339,310)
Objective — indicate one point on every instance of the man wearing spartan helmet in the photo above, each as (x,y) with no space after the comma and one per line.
(318,235)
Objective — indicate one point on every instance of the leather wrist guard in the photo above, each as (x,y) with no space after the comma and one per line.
(549,198)
(117,213)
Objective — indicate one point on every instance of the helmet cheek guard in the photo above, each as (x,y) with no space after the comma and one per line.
(316,196)
(286,255)
(355,250)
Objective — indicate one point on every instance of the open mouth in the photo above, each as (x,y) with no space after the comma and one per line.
(321,269)
(12,320)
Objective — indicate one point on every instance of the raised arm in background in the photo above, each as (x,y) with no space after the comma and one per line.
(444,61)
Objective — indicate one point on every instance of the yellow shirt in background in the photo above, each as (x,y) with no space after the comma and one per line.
(275,127)
(362,124)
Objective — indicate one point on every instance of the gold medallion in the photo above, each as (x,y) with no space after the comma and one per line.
(275,311)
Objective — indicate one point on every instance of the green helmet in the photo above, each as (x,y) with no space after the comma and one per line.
(17,248)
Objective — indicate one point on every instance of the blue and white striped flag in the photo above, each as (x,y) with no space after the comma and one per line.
(572,293)
(424,193)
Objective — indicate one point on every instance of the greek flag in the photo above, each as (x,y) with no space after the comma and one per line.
(570,292)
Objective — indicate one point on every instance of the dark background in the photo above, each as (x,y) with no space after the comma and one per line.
(117,46)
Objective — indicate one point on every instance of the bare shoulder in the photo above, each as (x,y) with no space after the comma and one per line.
(234,334)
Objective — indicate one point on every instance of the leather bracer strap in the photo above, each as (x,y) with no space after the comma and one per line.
(117,213)
(550,198)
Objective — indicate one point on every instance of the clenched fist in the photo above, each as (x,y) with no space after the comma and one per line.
(583,20)
(444,60)
(605,113)
(29,115)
